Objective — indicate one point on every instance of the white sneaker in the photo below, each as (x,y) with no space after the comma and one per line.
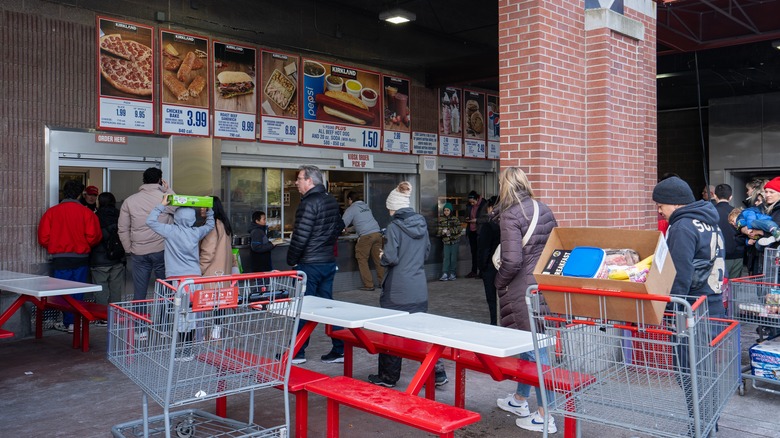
(216,332)
(444,277)
(510,404)
(765,241)
(535,423)
(452,277)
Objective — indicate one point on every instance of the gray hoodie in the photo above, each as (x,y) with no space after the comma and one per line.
(182,254)
(405,251)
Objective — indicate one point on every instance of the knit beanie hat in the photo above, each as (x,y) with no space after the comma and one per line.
(400,197)
(673,191)
(447,205)
(774,184)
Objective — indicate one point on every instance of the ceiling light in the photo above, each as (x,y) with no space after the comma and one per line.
(397,16)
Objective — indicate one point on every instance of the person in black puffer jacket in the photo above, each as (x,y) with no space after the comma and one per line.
(107,272)
(317,226)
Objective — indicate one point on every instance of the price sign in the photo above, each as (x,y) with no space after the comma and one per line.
(279,130)
(185,120)
(127,115)
(239,126)
(425,143)
(340,136)
(450,146)
(494,150)
(474,148)
(397,142)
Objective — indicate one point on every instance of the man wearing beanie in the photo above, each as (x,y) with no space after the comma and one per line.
(695,243)
(405,287)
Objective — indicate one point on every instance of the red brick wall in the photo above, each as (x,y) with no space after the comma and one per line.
(578,112)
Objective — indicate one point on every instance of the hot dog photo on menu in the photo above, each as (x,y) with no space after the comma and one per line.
(235,78)
(338,94)
(184,65)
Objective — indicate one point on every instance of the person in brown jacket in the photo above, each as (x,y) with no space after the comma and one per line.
(216,251)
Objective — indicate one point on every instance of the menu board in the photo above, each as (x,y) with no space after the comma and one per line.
(474,124)
(425,143)
(493,135)
(235,102)
(341,106)
(125,65)
(450,129)
(279,97)
(397,120)
(184,69)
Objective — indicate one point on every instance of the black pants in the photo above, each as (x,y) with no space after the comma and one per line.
(488,279)
(472,235)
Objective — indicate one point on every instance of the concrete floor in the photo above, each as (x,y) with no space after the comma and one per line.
(52,390)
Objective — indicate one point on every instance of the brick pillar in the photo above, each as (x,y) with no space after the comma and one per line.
(578,109)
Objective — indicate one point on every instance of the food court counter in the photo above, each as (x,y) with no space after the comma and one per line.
(348,275)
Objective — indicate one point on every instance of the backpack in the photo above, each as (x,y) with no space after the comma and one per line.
(114,249)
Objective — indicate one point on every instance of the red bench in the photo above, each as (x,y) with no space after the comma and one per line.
(5,334)
(506,368)
(237,361)
(98,312)
(421,413)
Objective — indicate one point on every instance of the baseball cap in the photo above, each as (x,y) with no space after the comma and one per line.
(92,190)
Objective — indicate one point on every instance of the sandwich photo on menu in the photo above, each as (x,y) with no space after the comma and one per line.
(234,83)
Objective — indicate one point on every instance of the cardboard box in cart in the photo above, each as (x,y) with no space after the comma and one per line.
(646,243)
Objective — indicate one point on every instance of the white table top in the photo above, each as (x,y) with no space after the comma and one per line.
(10,275)
(456,333)
(47,286)
(341,313)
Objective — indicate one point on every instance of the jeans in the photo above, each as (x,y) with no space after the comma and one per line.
(450,262)
(766,226)
(75,274)
(525,390)
(319,283)
(112,279)
(143,265)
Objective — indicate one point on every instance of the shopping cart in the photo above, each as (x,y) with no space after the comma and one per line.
(756,300)
(203,338)
(667,379)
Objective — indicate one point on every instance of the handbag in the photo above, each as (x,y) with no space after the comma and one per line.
(526,237)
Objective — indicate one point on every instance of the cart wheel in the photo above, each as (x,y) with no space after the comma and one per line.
(741,387)
(185,429)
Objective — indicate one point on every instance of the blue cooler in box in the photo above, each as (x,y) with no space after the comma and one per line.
(585,262)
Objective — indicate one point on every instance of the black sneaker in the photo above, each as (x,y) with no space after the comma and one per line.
(441,379)
(333,357)
(376,380)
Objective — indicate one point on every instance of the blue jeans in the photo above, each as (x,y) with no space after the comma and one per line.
(143,265)
(75,274)
(319,283)
(450,263)
(525,390)
(766,226)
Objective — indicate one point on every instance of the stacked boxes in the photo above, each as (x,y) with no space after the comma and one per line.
(765,359)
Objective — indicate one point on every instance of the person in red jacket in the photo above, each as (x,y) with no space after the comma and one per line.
(68,231)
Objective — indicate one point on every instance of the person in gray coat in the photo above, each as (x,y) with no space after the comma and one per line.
(515,214)
(405,286)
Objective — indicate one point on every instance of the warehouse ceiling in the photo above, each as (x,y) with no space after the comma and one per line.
(706,48)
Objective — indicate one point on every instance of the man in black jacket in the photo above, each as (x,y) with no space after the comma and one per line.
(317,226)
(735,245)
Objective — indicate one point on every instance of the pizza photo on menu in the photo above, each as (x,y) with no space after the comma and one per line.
(125,67)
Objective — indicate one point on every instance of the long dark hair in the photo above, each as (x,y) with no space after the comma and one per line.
(220,215)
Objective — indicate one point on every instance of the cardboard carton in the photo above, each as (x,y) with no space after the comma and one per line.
(659,279)
(191,201)
(765,359)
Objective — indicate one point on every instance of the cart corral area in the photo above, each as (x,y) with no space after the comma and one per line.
(53,390)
